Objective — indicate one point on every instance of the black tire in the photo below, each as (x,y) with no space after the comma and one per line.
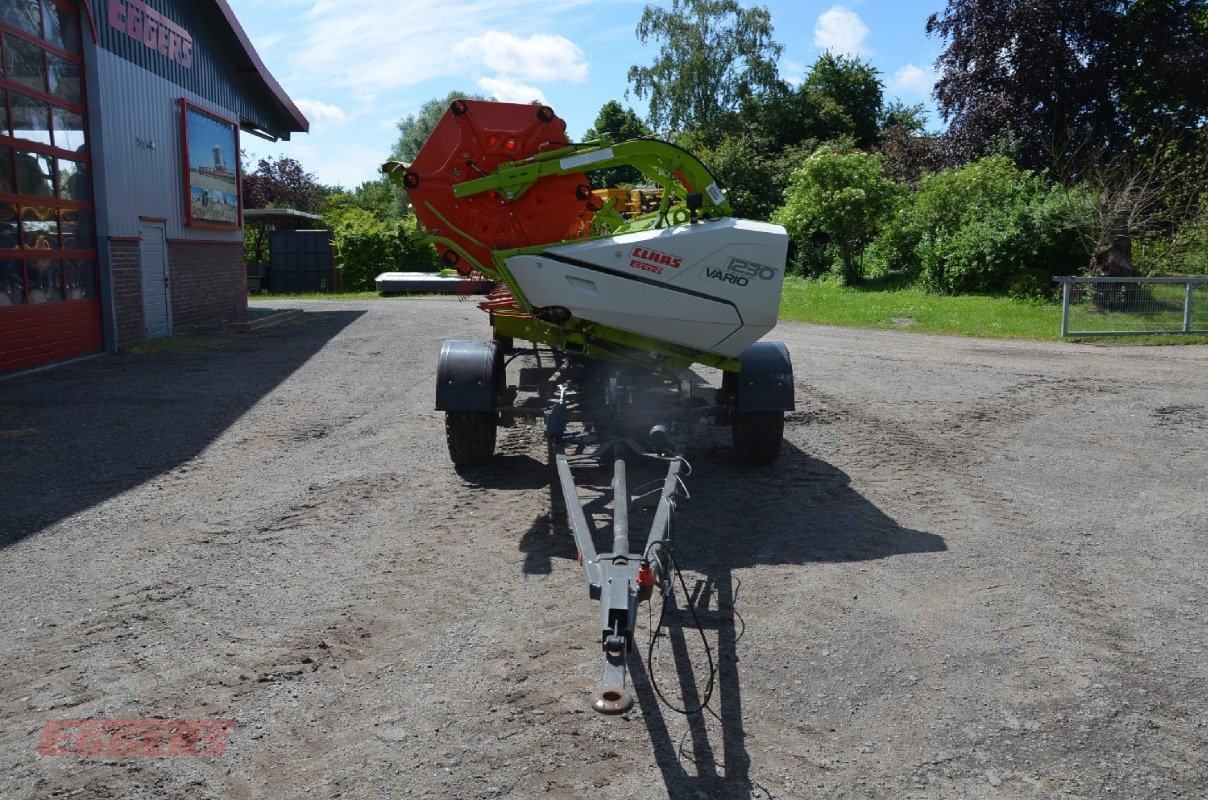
(757,436)
(471,437)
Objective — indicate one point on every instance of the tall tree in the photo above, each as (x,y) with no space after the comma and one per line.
(711,55)
(841,98)
(846,94)
(618,124)
(281,183)
(1063,75)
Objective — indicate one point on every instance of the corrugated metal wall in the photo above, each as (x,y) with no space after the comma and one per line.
(221,72)
(140,180)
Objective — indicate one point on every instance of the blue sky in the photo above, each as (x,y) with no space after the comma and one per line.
(356,68)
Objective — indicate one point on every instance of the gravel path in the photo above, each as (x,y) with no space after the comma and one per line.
(978,571)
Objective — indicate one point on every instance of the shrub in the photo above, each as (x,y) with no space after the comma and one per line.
(368,246)
(987,228)
(416,253)
(838,199)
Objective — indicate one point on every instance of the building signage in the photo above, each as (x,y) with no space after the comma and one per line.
(144,24)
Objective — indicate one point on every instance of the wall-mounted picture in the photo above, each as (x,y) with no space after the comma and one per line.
(211,169)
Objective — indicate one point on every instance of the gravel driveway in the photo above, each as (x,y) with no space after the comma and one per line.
(978,571)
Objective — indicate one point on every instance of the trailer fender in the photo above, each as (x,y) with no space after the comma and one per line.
(765,382)
(467,375)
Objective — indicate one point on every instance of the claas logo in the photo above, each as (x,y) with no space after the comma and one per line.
(655,257)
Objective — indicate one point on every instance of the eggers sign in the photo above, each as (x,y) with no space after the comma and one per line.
(146,25)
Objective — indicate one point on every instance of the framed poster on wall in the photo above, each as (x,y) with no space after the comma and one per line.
(211,156)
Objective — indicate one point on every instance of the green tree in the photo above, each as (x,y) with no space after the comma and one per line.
(712,54)
(840,98)
(376,197)
(839,196)
(846,98)
(784,116)
(753,183)
(909,117)
(616,123)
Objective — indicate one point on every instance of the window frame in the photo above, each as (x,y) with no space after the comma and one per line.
(19,201)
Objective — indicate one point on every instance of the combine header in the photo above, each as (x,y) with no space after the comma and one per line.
(616,310)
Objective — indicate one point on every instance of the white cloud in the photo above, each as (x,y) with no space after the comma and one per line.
(321,115)
(841,31)
(365,65)
(376,46)
(540,57)
(913,79)
(508,91)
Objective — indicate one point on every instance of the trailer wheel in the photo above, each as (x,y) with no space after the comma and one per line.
(471,437)
(757,436)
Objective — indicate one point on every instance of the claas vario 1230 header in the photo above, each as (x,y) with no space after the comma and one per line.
(615,311)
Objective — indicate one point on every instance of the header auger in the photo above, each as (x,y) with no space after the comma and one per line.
(616,310)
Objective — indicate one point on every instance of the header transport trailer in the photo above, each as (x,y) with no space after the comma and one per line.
(615,310)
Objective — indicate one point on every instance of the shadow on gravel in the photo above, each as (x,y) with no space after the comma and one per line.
(507,472)
(80,434)
(800,510)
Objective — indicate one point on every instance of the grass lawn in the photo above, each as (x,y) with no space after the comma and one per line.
(828,303)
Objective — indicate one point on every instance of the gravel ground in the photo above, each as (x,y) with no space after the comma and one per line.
(976,572)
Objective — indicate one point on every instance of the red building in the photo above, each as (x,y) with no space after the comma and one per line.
(120,214)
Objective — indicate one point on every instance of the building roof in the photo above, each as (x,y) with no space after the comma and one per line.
(254,63)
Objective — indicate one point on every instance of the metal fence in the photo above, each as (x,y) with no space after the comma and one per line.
(1130,306)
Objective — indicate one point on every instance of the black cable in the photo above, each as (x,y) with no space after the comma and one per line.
(700,629)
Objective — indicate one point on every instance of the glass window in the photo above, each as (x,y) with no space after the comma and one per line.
(35,175)
(73,180)
(12,283)
(25,63)
(69,129)
(7,184)
(65,79)
(81,279)
(31,119)
(23,14)
(4,129)
(39,228)
(45,280)
(77,229)
(61,26)
(8,226)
